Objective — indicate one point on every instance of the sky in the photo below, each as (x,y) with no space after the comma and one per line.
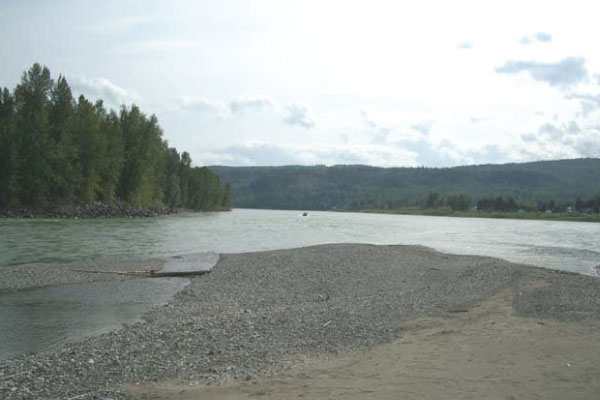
(385,83)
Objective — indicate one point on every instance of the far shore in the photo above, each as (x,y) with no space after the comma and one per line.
(343,321)
(528,215)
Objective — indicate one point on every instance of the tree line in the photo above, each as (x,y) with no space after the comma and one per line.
(360,187)
(499,203)
(55,150)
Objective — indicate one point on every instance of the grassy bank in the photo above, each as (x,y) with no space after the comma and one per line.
(447,212)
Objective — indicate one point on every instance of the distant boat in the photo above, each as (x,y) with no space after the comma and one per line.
(305,214)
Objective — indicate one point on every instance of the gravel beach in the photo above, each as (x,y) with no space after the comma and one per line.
(258,314)
(30,276)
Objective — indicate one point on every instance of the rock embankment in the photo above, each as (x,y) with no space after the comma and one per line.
(118,209)
(257,313)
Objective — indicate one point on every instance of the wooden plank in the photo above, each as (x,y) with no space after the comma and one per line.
(148,273)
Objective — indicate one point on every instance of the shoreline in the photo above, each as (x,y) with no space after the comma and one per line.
(537,216)
(18,277)
(30,276)
(118,209)
(261,314)
(485,352)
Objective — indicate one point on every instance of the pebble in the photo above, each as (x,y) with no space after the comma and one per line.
(256,313)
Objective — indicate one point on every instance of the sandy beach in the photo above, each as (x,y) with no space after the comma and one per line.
(342,322)
(486,352)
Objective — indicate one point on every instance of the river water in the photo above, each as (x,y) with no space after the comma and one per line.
(571,246)
(47,318)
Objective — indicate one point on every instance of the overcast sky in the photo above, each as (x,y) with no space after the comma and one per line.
(385,83)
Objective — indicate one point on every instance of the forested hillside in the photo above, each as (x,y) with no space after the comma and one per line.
(356,187)
(55,150)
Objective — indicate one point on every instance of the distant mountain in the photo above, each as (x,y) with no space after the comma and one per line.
(355,187)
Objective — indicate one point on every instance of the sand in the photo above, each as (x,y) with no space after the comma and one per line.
(485,352)
(343,321)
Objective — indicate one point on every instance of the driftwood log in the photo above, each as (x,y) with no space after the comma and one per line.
(151,273)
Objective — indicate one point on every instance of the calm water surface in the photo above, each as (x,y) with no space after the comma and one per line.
(572,246)
(47,318)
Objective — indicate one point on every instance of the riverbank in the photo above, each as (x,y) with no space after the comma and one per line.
(270,314)
(117,209)
(574,217)
(487,352)
(30,276)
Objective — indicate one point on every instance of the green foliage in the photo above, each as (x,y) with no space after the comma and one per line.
(588,206)
(55,151)
(359,187)
(33,134)
(142,179)
(62,149)
(498,204)
(459,203)
(173,178)
(9,166)
(206,190)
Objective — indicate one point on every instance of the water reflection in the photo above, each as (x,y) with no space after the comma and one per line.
(191,262)
(46,318)
(572,246)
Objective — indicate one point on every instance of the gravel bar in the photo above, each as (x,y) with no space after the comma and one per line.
(257,313)
(30,276)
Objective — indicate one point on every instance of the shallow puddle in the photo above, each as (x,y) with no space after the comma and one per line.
(48,318)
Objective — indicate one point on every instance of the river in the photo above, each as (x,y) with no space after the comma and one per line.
(571,246)
(47,318)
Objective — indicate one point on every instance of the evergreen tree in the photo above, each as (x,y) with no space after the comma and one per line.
(9,167)
(33,129)
(62,149)
(113,155)
(173,178)
(185,168)
(55,151)
(579,205)
(87,132)
(226,201)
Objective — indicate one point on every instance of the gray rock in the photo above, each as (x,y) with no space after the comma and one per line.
(255,312)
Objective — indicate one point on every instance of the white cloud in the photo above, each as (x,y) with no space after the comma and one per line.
(413,137)
(567,72)
(562,140)
(159,45)
(378,131)
(550,140)
(588,102)
(399,154)
(489,154)
(102,88)
(385,127)
(423,127)
(294,114)
(528,137)
(120,25)
(465,44)
(543,37)
(271,153)
(299,115)
(243,104)
(202,104)
(367,118)
(430,95)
